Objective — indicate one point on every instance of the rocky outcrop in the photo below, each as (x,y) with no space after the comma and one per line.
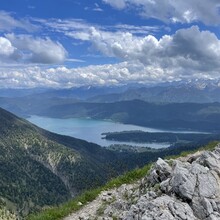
(187,188)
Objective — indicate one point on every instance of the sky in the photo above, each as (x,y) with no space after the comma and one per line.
(69,43)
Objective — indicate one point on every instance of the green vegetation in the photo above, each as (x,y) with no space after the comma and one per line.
(157,137)
(208,147)
(39,169)
(88,196)
(131,148)
(26,183)
(65,209)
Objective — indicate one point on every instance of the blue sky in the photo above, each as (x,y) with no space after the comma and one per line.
(67,43)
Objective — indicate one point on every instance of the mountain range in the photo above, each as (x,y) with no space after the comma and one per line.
(163,94)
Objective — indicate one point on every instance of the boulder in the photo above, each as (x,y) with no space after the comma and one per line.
(159,172)
(161,208)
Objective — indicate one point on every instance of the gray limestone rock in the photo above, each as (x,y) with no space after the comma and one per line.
(159,172)
(189,190)
(183,181)
(164,207)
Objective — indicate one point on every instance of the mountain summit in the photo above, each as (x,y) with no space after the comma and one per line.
(187,188)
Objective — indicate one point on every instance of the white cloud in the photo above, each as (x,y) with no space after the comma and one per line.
(186,11)
(181,49)
(187,54)
(110,74)
(81,30)
(6,48)
(119,4)
(137,30)
(9,23)
(37,50)
(15,48)
(61,77)
(97,7)
(145,59)
(75,60)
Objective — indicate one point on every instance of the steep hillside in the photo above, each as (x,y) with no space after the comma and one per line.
(187,188)
(37,170)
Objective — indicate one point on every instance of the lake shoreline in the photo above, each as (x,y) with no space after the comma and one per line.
(92,130)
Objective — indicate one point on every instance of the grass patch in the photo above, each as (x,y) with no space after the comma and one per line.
(65,209)
(128,177)
(101,209)
(209,147)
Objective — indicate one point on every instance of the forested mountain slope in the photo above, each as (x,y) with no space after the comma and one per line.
(37,171)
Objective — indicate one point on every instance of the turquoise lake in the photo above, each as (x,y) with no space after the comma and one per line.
(90,130)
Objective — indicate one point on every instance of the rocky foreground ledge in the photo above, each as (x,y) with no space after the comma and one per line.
(186,188)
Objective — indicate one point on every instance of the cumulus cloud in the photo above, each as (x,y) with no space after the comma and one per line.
(110,74)
(36,50)
(193,45)
(187,54)
(61,77)
(15,48)
(183,49)
(186,11)
(6,48)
